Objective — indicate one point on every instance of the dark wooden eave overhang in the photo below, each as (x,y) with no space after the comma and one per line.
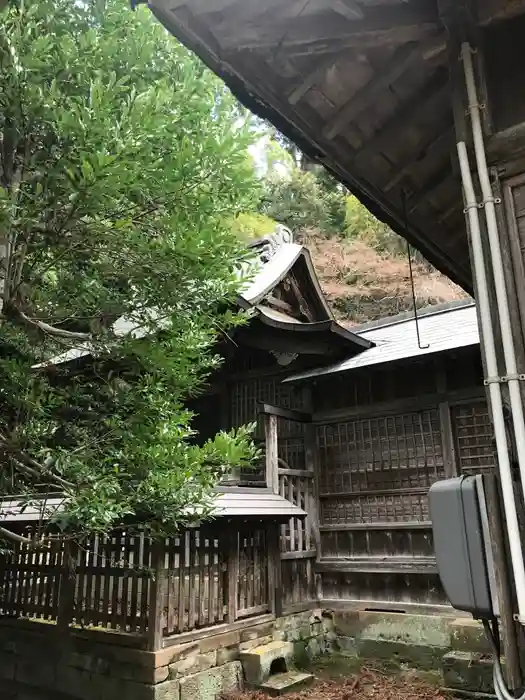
(276,332)
(360,85)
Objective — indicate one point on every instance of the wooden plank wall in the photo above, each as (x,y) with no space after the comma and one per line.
(383,437)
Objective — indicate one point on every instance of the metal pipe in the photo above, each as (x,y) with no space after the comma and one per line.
(509,352)
(489,346)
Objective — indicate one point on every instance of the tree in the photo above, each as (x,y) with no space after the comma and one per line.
(122,160)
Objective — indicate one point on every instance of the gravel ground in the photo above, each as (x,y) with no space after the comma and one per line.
(367,684)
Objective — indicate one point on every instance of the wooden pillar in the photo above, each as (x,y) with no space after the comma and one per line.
(274,570)
(272,452)
(157,594)
(503,583)
(66,591)
(232,576)
(445,422)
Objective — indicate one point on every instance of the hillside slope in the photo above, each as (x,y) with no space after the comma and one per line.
(364,284)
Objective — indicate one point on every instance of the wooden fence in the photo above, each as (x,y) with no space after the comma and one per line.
(146,590)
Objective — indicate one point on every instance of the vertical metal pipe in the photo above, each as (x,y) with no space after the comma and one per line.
(483,300)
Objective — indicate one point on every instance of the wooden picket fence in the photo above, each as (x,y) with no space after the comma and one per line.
(126,583)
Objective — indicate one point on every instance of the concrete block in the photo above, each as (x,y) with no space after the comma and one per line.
(401,653)
(211,684)
(467,671)
(254,643)
(218,641)
(260,662)
(228,654)
(169,690)
(192,663)
(287,682)
(468,635)
(256,632)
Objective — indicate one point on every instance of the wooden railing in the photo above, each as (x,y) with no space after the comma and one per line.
(147,590)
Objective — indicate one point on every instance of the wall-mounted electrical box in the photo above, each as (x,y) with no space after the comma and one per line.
(461,543)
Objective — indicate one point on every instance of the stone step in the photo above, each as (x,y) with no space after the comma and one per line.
(282,683)
(260,663)
(468,671)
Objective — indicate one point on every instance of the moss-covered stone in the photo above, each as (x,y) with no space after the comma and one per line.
(211,684)
(468,671)
(300,654)
(401,653)
(468,635)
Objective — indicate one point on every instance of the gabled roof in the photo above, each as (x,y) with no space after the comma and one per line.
(275,256)
(396,339)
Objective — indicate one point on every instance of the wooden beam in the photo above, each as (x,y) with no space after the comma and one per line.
(426,100)
(428,187)
(425,144)
(380,24)
(389,565)
(402,60)
(317,75)
(360,527)
(286,413)
(415,403)
(279,304)
(303,304)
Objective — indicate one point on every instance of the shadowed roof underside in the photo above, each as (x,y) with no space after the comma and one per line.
(360,85)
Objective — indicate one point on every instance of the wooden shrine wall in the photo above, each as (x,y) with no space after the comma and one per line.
(383,437)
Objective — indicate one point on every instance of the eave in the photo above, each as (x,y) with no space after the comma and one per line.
(362,88)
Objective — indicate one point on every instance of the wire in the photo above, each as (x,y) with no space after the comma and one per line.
(500,687)
(412,286)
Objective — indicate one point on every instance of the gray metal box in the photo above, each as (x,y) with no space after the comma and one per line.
(457,510)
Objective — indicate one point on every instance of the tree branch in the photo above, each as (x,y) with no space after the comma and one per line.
(18,538)
(33,468)
(50,330)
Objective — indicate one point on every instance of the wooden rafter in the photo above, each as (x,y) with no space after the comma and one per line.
(425,144)
(422,102)
(429,186)
(403,58)
(315,76)
(303,29)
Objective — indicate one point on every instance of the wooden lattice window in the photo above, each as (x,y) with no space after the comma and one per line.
(379,469)
(474,437)
(392,452)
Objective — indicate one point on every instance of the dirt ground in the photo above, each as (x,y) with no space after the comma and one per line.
(366,683)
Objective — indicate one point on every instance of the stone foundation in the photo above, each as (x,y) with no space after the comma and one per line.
(37,663)
(455,649)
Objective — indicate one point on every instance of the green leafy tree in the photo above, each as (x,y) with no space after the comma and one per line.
(295,200)
(122,162)
(298,192)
